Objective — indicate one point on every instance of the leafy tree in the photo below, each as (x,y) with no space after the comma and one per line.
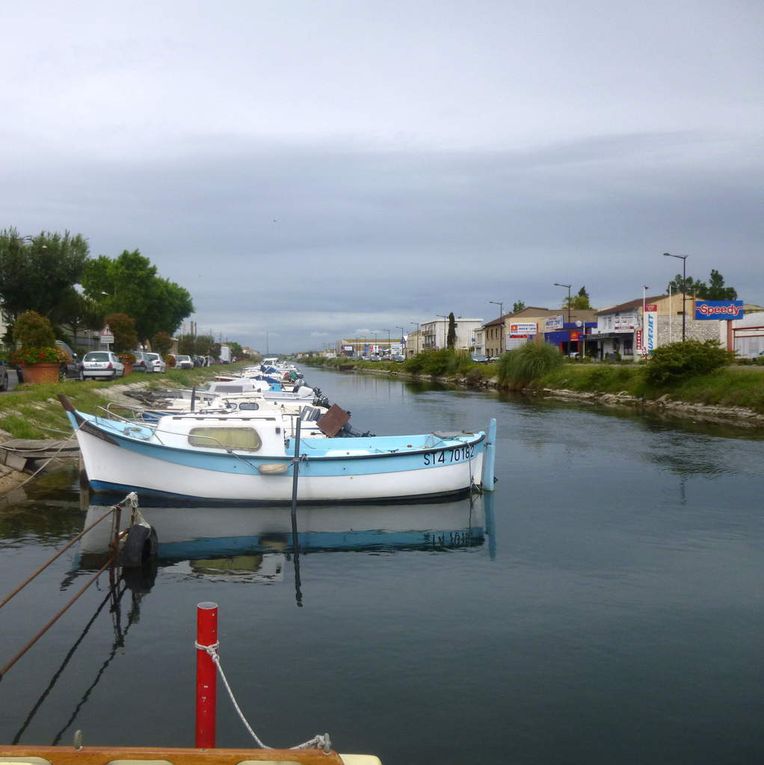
(36,273)
(716,290)
(123,328)
(76,312)
(130,284)
(215,350)
(161,343)
(187,344)
(236,350)
(203,345)
(451,337)
(580,301)
(518,306)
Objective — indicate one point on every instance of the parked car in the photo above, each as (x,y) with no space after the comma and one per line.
(480,358)
(72,367)
(184,362)
(102,364)
(139,365)
(155,363)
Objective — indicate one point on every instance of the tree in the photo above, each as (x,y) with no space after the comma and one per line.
(451,337)
(688,286)
(37,273)
(518,306)
(580,301)
(203,345)
(187,345)
(123,328)
(130,284)
(161,343)
(716,289)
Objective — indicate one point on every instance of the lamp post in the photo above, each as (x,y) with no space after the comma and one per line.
(499,303)
(417,337)
(402,343)
(683,258)
(388,341)
(557,284)
(644,311)
(567,286)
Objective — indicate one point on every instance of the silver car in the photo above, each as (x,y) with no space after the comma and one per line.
(154,362)
(102,364)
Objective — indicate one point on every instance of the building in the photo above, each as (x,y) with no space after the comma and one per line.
(622,331)
(434,333)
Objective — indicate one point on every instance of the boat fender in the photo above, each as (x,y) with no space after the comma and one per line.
(140,545)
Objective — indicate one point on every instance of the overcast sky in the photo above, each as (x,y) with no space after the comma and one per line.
(316,170)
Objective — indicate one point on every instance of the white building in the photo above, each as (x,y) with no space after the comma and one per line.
(435,333)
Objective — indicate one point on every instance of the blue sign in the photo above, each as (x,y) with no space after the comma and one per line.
(718,309)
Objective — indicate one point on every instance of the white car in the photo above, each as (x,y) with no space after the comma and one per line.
(154,363)
(184,362)
(102,364)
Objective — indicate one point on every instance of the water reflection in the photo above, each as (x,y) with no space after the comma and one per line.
(253,543)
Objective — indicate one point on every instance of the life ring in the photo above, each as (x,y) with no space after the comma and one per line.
(141,545)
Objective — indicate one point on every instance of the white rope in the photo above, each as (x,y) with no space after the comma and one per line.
(317,742)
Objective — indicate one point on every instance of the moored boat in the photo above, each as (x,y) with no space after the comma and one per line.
(252,458)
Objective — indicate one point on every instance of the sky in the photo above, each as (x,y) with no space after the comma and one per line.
(313,170)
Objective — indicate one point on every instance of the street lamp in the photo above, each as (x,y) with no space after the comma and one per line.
(402,343)
(416,353)
(683,258)
(388,340)
(557,284)
(644,310)
(501,306)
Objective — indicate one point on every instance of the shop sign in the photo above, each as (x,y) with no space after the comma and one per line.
(553,323)
(718,310)
(651,328)
(106,335)
(522,329)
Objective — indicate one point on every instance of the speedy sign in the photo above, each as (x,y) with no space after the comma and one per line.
(651,328)
(718,309)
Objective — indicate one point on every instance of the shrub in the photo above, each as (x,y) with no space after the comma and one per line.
(33,331)
(676,362)
(518,368)
(439,363)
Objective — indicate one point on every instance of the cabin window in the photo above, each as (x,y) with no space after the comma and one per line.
(248,406)
(244,439)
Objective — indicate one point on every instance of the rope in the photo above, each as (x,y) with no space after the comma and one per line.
(317,742)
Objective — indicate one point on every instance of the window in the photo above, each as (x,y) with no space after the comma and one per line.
(244,439)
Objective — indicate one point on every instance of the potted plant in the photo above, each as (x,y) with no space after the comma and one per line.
(128,359)
(36,353)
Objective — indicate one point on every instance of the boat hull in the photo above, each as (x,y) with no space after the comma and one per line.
(114,463)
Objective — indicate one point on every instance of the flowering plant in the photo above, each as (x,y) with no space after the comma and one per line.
(38,355)
(127,358)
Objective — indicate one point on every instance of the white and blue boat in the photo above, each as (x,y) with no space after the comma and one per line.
(251,458)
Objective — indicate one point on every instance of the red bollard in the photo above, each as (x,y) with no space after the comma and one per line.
(206,675)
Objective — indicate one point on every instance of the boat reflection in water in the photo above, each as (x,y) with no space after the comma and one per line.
(254,542)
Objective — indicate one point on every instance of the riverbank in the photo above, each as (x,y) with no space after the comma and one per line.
(34,412)
(732,396)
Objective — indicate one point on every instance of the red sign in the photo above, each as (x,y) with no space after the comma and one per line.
(574,335)
(639,338)
(651,308)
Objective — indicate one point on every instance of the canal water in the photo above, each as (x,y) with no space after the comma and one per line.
(606,605)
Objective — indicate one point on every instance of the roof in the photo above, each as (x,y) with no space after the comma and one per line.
(629,305)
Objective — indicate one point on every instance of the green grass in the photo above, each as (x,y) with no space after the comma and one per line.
(34,411)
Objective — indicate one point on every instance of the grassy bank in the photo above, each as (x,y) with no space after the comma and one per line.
(737,385)
(741,386)
(34,411)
